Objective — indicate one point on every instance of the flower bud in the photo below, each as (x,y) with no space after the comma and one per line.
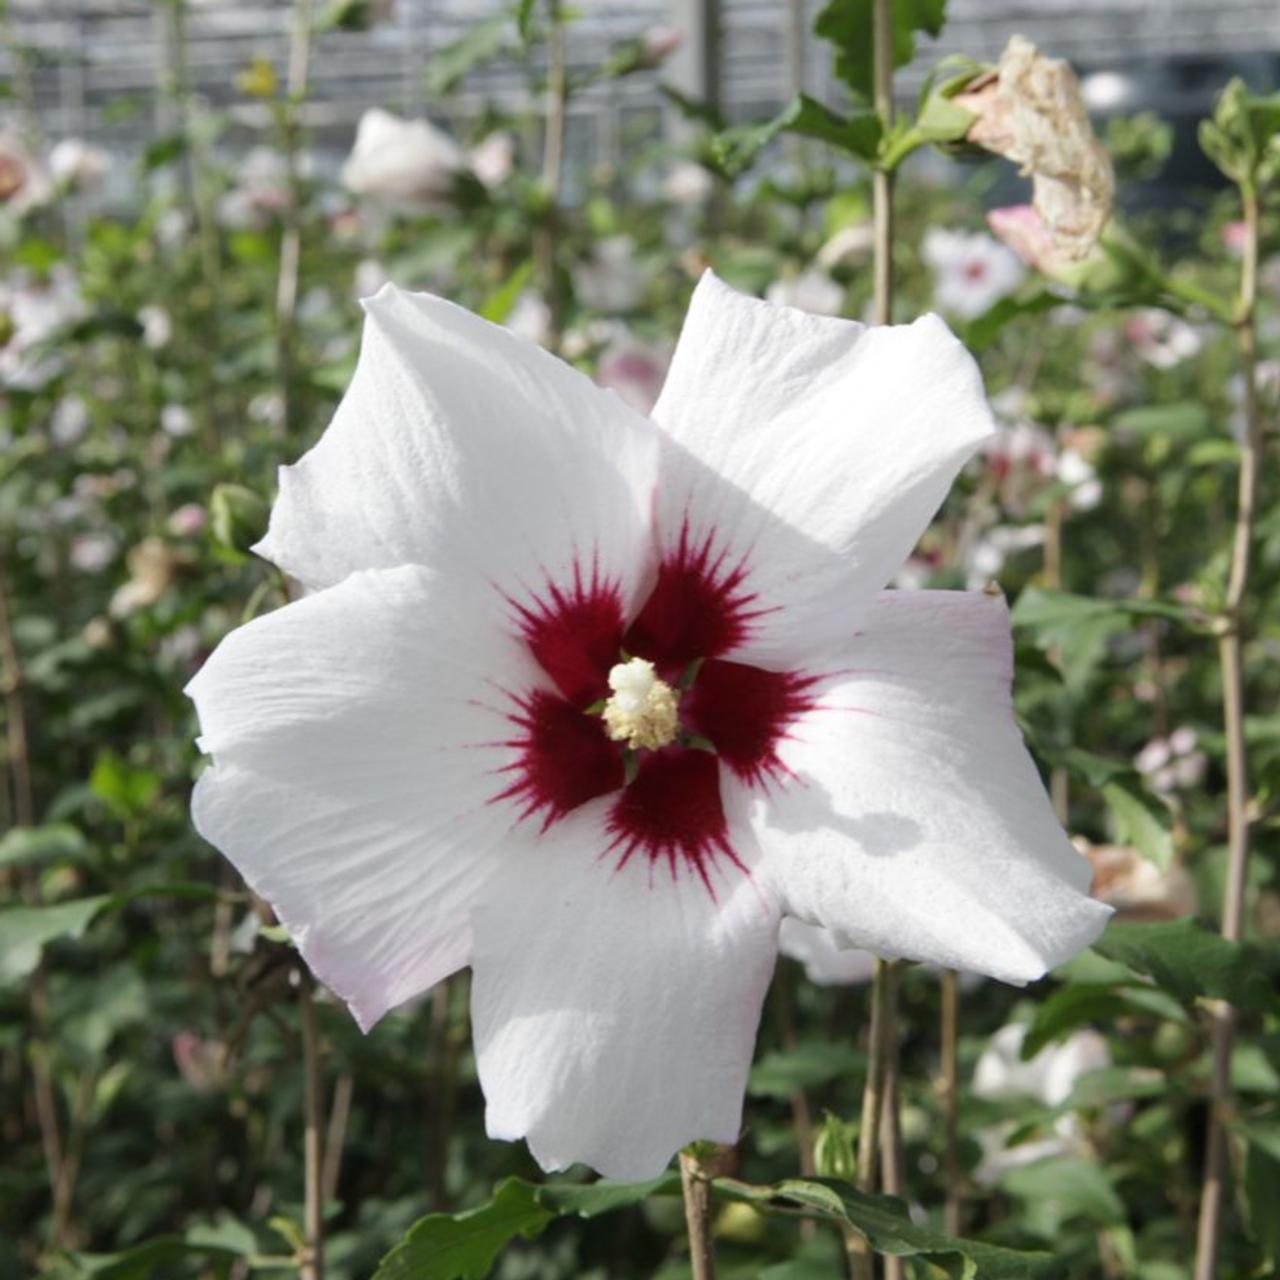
(833,1149)
(237,518)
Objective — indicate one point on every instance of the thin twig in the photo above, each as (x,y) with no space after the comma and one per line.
(861,1259)
(69,1170)
(949,1089)
(336,1137)
(1231,660)
(555,114)
(882,996)
(890,1128)
(697,1216)
(291,238)
(312,1263)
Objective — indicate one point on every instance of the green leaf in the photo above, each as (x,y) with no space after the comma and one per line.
(497,306)
(464,1246)
(884,1223)
(1262,1195)
(1082,1004)
(859,135)
(24,932)
(1183,420)
(1069,1187)
(847,24)
(53,842)
(143,1261)
(1078,628)
(594,1198)
(782,1072)
(1140,822)
(1191,962)
(480,43)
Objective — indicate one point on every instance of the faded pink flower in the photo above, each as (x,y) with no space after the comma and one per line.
(589,701)
(1030,111)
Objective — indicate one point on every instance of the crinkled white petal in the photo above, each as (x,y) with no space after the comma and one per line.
(915,823)
(615,1010)
(459,445)
(356,738)
(814,452)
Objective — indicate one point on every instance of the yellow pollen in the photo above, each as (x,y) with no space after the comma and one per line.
(642,710)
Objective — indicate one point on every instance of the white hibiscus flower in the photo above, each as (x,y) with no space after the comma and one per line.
(588,701)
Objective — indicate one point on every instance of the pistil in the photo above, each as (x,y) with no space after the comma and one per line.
(642,712)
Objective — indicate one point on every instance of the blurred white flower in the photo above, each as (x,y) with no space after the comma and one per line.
(1048,1078)
(176,421)
(971,271)
(530,318)
(493,158)
(78,164)
(37,310)
(260,194)
(635,370)
(610,279)
(172,227)
(92,552)
(1160,338)
(847,247)
(687,183)
(157,326)
(70,420)
(812,291)
(1080,476)
(404,163)
(986,557)
(267,408)
(371,275)
(825,963)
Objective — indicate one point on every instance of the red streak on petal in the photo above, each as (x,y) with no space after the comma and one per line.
(566,758)
(575,634)
(671,812)
(699,607)
(746,712)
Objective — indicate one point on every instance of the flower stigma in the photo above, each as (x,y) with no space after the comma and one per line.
(642,710)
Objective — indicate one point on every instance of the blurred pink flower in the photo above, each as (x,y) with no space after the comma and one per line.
(24,183)
(1160,338)
(188,520)
(635,370)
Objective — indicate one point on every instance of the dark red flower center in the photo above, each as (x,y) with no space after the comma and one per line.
(668,806)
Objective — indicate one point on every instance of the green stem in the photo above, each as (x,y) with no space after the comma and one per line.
(1231,660)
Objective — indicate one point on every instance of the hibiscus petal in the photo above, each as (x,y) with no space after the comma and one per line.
(915,823)
(805,457)
(615,1008)
(461,445)
(358,748)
